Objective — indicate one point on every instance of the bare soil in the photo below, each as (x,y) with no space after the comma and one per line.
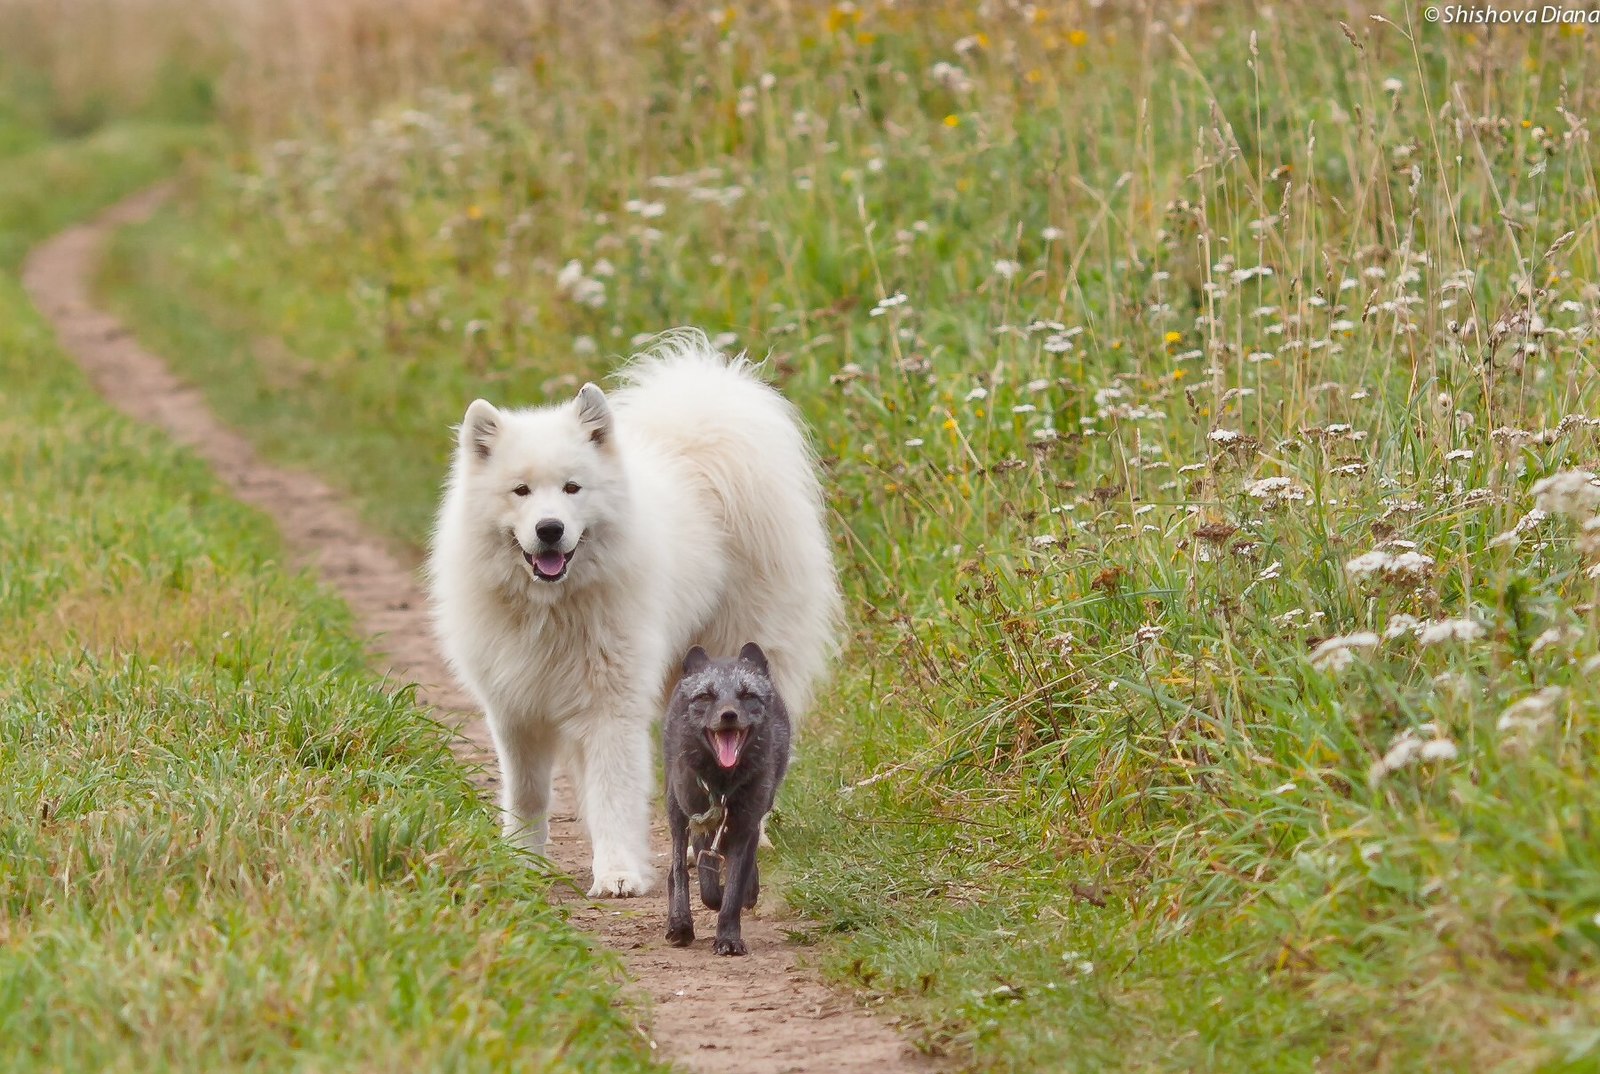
(764,1012)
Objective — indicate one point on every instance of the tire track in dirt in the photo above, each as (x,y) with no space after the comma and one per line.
(764,1012)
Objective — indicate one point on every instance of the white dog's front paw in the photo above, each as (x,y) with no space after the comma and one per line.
(619,884)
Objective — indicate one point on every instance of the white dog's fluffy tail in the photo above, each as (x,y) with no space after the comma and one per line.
(749,445)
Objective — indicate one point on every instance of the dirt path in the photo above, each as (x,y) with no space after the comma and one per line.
(756,1014)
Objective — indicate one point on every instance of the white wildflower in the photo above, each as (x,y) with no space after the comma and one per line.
(951,77)
(1438,749)
(1436,631)
(1337,653)
(977,393)
(886,304)
(1225,436)
(1268,486)
(582,289)
(1407,566)
(1006,269)
(1409,747)
(1531,712)
(1573,493)
(1555,636)
(1399,625)
(1525,525)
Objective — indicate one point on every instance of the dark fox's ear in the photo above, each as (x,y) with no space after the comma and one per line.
(479,429)
(751,654)
(696,660)
(594,412)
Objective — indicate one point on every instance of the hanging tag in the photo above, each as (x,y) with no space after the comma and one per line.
(710,859)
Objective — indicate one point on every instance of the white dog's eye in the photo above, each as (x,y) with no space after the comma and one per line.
(572,488)
(520,490)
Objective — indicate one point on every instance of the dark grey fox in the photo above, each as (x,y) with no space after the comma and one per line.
(726,748)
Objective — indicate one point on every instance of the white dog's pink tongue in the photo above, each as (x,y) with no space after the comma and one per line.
(727,744)
(549,564)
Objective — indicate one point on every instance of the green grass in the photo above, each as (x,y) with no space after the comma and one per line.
(225,846)
(1196,315)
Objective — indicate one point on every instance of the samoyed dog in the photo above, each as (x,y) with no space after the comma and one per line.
(583,547)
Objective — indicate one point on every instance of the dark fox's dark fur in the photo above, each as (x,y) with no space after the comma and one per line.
(727,741)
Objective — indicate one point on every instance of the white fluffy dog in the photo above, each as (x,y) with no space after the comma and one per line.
(583,548)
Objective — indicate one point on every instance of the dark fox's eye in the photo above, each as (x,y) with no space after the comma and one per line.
(572,488)
(520,490)
(704,698)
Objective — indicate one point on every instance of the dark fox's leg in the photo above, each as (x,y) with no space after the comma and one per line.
(740,857)
(680,922)
(752,881)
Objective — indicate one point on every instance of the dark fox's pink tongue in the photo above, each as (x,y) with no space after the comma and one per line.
(549,564)
(727,744)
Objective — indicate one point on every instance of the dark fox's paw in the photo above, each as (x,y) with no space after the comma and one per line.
(733,946)
(680,935)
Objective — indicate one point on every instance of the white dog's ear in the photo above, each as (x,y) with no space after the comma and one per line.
(696,660)
(479,429)
(594,413)
(751,654)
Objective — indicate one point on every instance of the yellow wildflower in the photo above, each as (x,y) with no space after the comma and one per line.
(841,16)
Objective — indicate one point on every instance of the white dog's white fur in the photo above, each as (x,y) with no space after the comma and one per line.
(689,513)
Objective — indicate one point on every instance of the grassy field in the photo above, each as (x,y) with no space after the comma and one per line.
(224,847)
(1219,693)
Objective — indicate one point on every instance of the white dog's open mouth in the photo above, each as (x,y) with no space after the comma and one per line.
(549,565)
(728,743)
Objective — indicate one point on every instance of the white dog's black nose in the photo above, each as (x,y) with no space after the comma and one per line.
(549,530)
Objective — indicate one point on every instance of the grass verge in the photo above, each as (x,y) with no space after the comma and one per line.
(226,847)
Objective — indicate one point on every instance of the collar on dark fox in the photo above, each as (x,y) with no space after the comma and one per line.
(714,817)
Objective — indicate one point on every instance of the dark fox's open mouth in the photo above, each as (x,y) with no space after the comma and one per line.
(549,565)
(728,743)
